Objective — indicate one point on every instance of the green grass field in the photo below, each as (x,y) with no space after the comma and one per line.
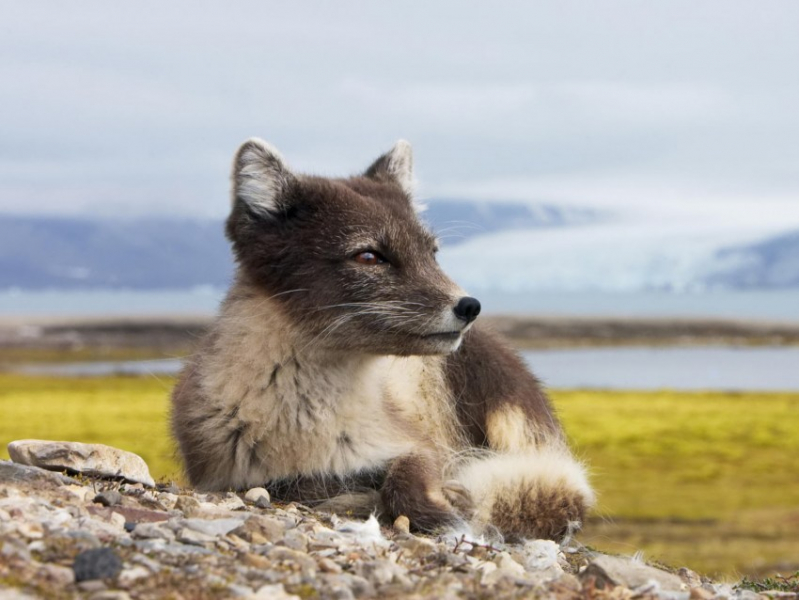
(708,480)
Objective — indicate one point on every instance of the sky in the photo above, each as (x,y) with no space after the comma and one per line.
(672,110)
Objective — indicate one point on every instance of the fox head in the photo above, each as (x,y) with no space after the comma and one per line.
(347,260)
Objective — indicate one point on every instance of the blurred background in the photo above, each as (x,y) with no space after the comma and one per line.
(618,183)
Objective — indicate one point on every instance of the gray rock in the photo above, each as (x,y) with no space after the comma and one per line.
(614,570)
(89,459)
(108,498)
(255,494)
(11,473)
(213,527)
(99,563)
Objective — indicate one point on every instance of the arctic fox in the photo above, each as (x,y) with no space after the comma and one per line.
(345,368)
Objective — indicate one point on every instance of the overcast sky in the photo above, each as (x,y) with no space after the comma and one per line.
(136,108)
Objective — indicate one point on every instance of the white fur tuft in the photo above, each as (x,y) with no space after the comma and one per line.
(400,166)
(260,175)
(367,532)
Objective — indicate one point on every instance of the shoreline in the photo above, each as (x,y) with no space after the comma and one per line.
(56,339)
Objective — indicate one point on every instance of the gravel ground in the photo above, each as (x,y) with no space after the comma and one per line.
(82,536)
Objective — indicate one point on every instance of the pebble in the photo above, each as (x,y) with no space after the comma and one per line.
(108,498)
(255,494)
(217,542)
(402,524)
(327,565)
(274,592)
(98,563)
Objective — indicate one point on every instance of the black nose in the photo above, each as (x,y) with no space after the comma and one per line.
(467,309)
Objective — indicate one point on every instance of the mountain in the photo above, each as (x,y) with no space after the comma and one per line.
(37,253)
(40,253)
(773,263)
(486,246)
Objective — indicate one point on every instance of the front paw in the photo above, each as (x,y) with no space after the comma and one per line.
(460,498)
(427,512)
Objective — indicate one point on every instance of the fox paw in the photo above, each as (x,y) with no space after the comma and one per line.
(459,497)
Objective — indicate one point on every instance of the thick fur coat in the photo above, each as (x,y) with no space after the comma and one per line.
(345,369)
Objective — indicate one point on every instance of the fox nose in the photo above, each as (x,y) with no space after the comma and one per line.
(467,309)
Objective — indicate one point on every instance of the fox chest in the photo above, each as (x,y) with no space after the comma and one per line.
(299,420)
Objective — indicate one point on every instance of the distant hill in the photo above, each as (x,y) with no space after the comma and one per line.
(487,245)
(773,263)
(37,252)
(142,254)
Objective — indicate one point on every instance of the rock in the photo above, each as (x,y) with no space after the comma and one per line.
(273,592)
(108,498)
(12,473)
(110,595)
(187,505)
(129,576)
(255,494)
(614,570)
(152,531)
(130,514)
(57,575)
(259,529)
(296,540)
(402,524)
(88,459)
(213,527)
(99,563)
(327,565)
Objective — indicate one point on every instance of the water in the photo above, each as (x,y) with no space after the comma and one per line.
(701,368)
(165,366)
(692,368)
(81,303)
(780,305)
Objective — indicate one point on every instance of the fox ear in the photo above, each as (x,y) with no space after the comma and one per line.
(261,177)
(395,165)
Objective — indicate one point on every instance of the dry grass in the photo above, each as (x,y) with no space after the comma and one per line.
(707,480)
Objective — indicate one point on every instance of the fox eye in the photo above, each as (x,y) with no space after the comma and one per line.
(369,258)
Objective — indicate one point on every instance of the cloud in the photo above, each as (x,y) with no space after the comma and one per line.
(138,108)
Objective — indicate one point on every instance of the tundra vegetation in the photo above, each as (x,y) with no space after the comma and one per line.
(703,479)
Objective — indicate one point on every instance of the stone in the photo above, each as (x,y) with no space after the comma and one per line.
(88,459)
(98,563)
(402,524)
(213,527)
(296,540)
(57,575)
(110,595)
(187,505)
(152,531)
(108,498)
(198,538)
(259,529)
(615,570)
(255,494)
(128,577)
(327,565)
(12,473)
(273,592)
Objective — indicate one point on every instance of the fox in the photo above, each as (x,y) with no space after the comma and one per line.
(346,371)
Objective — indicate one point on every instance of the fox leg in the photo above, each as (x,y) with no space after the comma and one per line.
(526,484)
(413,487)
